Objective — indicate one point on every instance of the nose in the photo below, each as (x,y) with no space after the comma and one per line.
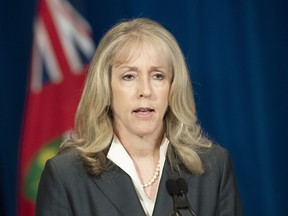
(144,88)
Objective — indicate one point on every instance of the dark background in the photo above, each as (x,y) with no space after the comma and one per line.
(237,53)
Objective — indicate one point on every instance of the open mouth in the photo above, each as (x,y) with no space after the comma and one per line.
(143,110)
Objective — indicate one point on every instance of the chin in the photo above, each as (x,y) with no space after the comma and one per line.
(147,132)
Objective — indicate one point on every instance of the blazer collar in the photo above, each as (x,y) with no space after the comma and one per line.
(117,186)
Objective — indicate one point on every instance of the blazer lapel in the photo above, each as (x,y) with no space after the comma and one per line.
(164,202)
(117,186)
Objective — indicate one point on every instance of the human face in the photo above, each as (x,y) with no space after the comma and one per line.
(140,89)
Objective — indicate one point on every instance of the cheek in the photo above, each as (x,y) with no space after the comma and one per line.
(115,100)
(165,93)
(120,100)
(116,91)
(119,96)
(164,100)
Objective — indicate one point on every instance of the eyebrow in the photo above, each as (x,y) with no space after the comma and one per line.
(133,68)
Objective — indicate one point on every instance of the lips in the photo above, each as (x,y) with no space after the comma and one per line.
(145,110)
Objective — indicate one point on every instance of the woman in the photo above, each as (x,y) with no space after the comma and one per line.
(135,129)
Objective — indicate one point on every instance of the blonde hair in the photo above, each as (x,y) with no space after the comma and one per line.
(94,122)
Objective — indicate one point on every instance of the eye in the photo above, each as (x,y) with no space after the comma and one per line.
(128,77)
(158,76)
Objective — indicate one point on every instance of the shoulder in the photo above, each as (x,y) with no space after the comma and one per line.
(215,191)
(218,171)
(215,159)
(67,164)
(216,152)
(70,156)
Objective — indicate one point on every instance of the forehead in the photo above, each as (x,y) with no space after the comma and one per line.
(131,50)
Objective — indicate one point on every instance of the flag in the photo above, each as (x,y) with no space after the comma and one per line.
(62,46)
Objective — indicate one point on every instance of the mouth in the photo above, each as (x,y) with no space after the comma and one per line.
(143,111)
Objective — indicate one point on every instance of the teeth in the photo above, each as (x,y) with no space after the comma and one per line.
(143,110)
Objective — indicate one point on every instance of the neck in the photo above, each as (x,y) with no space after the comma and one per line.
(141,146)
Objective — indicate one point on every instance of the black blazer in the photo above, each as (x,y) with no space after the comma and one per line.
(66,189)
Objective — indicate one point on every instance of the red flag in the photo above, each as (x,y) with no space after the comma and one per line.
(62,45)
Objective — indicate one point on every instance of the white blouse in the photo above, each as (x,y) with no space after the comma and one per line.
(118,155)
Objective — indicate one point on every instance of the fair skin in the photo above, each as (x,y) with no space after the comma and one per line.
(140,89)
